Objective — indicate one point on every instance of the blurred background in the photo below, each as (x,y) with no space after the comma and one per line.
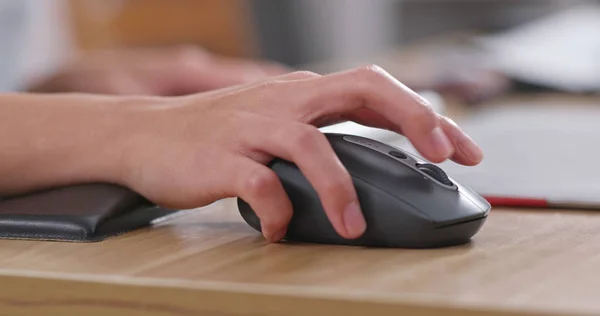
(298,33)
(295,31)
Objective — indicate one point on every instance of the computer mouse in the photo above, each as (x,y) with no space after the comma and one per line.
(407,202)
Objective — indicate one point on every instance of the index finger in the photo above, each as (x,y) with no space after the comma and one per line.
(371,87)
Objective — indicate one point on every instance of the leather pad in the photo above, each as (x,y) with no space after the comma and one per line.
(80,213)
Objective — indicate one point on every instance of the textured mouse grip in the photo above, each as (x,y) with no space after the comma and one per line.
(435,172)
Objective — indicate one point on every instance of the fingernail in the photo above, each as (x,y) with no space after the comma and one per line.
(278,236)
(440,142)
(470,148)
(354,220)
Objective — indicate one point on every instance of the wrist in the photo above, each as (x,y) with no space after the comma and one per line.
(123,125)
(63,139)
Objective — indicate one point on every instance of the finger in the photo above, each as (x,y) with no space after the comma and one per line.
(310,150)
(374,89)
(296,75)
(260,187)
(467,151)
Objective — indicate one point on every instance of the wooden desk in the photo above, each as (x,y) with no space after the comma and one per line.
(209,262)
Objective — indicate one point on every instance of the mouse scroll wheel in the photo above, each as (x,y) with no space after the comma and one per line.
(435,172)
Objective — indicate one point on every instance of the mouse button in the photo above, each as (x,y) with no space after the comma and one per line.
(448,207)
(398,154)
(377,167)
(474,197)
(408,179)
(348,150)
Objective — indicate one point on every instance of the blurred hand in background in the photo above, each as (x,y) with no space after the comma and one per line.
(155,71)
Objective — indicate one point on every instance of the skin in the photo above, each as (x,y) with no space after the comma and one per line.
(189,151)
(170,71)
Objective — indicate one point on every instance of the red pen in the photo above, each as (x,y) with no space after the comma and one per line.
(504,201)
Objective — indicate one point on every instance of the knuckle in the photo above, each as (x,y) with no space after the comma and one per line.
(187,54)
(424,116)
(307,137)
(371,71)
(305,74)
(371,77)
(260,183)
(447,121)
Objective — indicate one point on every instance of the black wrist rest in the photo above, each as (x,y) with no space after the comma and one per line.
(79,213)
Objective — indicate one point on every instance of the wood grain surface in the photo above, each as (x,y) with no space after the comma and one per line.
(209,262)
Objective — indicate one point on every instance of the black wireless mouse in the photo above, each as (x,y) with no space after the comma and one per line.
(406,201)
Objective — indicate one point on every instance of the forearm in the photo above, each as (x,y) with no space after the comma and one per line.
(53,140)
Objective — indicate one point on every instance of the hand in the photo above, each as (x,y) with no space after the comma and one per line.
(187,152)
(163,72)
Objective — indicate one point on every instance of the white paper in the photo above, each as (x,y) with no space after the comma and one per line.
(537,152)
